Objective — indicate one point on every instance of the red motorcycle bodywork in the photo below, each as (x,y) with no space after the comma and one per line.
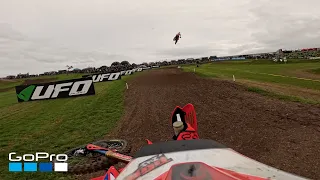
(189,117)
(208,172)
(204,171)
(148,141)
(111,174)
(190,133)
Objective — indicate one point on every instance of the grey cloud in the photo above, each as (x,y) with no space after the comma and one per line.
(186,52)
(23,54)
(8,34)
(248,48)
(40,35)
(279,27)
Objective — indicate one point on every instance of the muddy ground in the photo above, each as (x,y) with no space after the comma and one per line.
(282,134)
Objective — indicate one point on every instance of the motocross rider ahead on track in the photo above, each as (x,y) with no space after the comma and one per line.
(177,37)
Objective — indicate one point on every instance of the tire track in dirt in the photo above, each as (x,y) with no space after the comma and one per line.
(285,135)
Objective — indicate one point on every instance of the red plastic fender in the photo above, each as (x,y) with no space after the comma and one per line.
(148,141)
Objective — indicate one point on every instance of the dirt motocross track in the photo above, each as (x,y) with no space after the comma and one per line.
(282,134)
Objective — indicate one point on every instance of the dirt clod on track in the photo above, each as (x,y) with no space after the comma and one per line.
(282,134)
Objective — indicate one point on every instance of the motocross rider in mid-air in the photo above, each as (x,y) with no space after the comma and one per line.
(176,38)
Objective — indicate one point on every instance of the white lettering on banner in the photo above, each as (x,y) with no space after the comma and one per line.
(59,88)
(114,76)
(47,94)
(122,72)
(136,70)
(103,76)
(128,72)
(75,88)
(96,78)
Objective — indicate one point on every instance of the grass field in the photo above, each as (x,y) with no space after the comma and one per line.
(54,126)
(293,76)
(316,70)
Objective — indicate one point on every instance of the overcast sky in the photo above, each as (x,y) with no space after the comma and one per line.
(45,35)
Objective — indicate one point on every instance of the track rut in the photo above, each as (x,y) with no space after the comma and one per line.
(282,134)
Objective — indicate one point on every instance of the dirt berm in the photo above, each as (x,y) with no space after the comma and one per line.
(282,134)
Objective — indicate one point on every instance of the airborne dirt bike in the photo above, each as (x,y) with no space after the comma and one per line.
(185,158)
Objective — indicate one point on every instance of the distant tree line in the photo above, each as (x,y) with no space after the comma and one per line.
(125,65)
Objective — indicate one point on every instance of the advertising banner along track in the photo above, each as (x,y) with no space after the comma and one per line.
(54,90)
(102,77)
